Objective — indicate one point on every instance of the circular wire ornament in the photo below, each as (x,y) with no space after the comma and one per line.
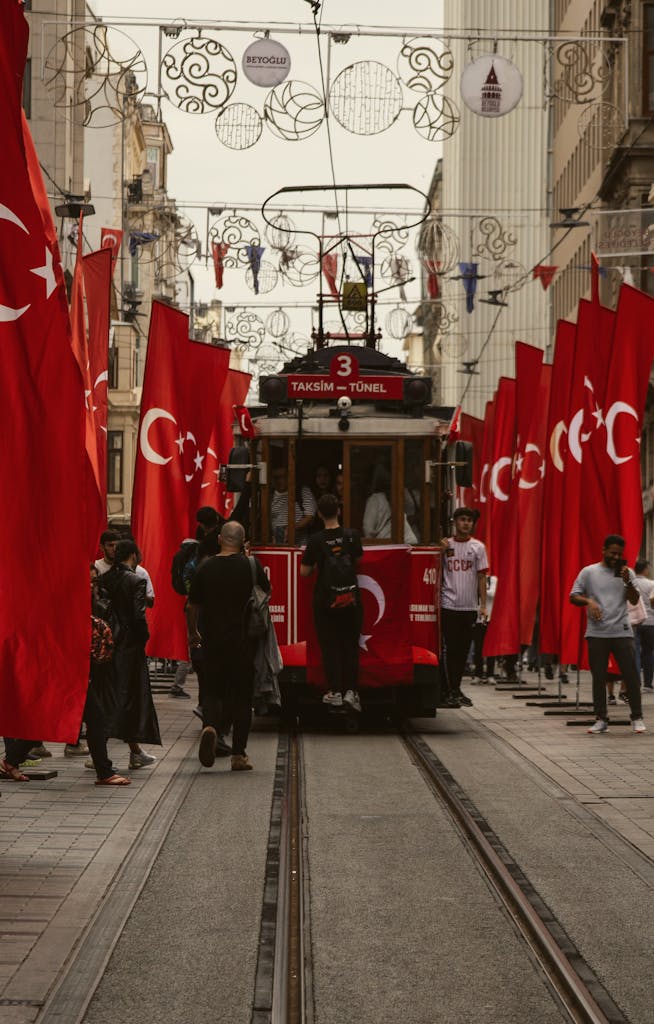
(600,125)
(398,323)
(395,268)
(238,126)
(301,268)
(280,233)
(278,323)
(436,117)
(582,70)
(84,76)
(366,98)
(267,277)
(453,345)
(237,232)
(201,73)
(425,64)
(511,275)
(293,111)
(438,244)
(246,330)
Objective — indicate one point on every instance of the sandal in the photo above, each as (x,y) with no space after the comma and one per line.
(113,780)
(7,771)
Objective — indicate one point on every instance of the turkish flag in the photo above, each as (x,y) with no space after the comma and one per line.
(244,422)
(111,239)
(483,530)
(533,380)
(175,430)
(44,599)
(472,430)
(222,441)
(385,653)
(553,537)
(581,487)
(632,353)
(97,287)
(502,635)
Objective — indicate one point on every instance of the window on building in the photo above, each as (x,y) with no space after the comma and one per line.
(115,462)
(648,59)
(27,86)
(113,367)
(153,159)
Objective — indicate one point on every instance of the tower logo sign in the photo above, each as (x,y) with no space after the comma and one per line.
(491,86)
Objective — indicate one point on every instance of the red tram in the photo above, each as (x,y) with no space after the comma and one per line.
(356,417)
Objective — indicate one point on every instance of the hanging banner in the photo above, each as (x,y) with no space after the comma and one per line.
(266,62)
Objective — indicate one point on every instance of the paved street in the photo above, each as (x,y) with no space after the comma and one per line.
(543,786)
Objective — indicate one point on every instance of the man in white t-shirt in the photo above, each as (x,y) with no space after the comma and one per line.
(108,541)
(463,600)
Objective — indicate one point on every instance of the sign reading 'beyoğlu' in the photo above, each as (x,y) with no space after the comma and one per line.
(266,62)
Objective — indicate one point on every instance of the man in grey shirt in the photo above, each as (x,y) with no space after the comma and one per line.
(604,588)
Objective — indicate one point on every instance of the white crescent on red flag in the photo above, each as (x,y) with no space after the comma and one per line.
(175,434)
(97,288)
(244,422)
(44,608)
(111,238)
(502,633)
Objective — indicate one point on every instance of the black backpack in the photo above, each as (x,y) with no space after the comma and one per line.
(339,576)
(187,551)
(257,610)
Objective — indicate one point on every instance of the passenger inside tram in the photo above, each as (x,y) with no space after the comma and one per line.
(377,518)
(305,508)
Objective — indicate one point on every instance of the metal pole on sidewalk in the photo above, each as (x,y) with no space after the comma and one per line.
(577,695)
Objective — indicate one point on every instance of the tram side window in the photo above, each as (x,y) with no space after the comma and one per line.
(414,487)
(371,474)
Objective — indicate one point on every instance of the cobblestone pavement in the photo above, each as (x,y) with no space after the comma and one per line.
(63,841)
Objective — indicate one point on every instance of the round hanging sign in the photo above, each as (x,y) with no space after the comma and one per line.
(491,86)
(266,62)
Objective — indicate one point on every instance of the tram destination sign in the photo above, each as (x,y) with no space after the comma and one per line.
(326,386)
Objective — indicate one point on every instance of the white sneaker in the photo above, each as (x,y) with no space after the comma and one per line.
(352,699)
(599,726)
(638,725)
(335,700)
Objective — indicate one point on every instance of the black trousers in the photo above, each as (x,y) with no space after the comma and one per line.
(456,633)
(227,695)
(16,751)
(338,632)
(623,650)
(96,731)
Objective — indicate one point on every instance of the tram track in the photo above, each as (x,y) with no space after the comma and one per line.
(283,981)
(580,994)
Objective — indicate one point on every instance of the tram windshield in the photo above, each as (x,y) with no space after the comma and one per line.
(382,486)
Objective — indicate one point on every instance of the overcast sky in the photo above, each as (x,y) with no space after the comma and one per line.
(202,169)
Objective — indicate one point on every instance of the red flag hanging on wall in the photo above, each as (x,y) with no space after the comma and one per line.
(553,533)
(533,380)
(624,405)
(502,633)
(97,287)
(44,639)
(111,238)
(175,431)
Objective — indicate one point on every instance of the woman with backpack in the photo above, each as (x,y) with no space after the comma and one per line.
(334,552)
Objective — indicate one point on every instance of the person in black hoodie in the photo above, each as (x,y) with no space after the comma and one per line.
(136,719)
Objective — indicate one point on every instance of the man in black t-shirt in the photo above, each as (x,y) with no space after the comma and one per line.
(220,589)
(336,603)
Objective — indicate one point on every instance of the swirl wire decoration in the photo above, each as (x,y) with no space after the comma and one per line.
(398,323)
(238,126)
(293,110)
(600,125)
(425,64)
(175,251)
(496,239)
(436,117)
(83,74)
(237,232)
(438,243)
(581,70)
(246,330)
(278,323)
(395,268)
(201,74)
(389,235)
(366,98)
